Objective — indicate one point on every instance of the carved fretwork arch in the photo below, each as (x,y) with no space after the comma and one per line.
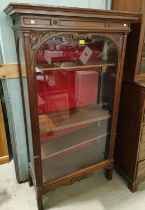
(37,39)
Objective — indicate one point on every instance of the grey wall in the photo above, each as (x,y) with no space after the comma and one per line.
(12,95)
(12,87)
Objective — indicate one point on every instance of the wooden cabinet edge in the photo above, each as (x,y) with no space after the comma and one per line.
(4,156)
(4,159)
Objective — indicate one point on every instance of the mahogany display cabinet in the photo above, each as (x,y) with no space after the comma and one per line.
(71,65)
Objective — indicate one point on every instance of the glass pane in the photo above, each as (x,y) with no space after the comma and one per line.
(75,81)
(142,67)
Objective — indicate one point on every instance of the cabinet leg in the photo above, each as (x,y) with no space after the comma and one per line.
(40,203)
(109,173)
(132,187)
(30,181)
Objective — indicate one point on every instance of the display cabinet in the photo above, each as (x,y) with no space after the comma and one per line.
(71,65)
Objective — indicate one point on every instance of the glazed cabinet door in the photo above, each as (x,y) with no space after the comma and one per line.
(75,84)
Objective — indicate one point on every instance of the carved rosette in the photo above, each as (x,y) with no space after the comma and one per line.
(54,22)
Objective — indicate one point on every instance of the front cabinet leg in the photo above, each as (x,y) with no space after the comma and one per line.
(40,202)
(132,187)
(30,181)
(109,173)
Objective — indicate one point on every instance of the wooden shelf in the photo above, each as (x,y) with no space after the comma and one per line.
(81,116)
(59,166)
(61,142)
(76,68)
(70,149)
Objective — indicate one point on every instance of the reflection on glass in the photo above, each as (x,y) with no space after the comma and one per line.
(75,90)
(142,66)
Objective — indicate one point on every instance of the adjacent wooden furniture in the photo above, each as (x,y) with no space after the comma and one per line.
(130,146)
(129,5)
(9,71)
(134,58)
(4,155)
(130,142)
(72,60)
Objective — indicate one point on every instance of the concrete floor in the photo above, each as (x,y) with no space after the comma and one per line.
(94,193)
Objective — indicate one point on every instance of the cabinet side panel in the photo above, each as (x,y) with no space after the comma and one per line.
(24,87)
(131,54)
(130,117)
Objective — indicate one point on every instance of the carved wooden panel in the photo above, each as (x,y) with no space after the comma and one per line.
(72,23)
